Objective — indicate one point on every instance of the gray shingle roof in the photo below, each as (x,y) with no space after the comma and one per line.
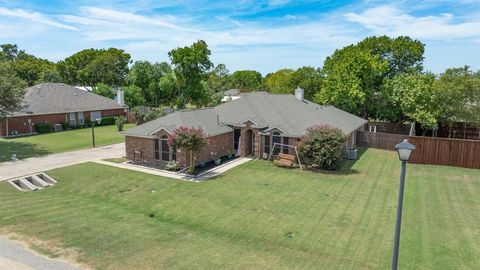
(285,112)
(232,92)
(50,98)
(282,111)
(203,118)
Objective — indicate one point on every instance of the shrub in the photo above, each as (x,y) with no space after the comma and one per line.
(146,114)
(323,146)
(43,128)
(107,121)
(120,122)
(65,125)
(88,123)
(172,166)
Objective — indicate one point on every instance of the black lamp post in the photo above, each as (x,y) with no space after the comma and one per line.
(98,120)
(404,150)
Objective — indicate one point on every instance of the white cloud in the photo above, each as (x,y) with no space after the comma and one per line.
(392,21)
(260,43)
(35,17)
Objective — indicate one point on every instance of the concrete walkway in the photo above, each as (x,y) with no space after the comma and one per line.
(181,176)
(15,256)
(13,169)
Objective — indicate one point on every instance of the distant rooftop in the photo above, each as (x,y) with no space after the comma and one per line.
(51,98)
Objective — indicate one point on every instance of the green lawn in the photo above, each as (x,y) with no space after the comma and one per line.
(50,143)
(255,216)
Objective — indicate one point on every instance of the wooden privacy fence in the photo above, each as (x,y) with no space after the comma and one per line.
(451,152)
(436,151)
(379,140)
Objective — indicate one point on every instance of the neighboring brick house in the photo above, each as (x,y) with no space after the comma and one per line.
(54,103)
(247,126)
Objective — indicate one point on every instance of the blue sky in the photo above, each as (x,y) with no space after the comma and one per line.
(260,35)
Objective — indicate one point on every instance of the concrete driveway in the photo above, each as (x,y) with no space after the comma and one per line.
(15,256)
(13,169)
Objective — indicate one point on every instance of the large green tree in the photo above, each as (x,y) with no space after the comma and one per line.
(35,70)
(354,75)
(309,79)
(91,67)
(350,80)
(104,90)
(402,54)
(246,80)
(218,79)
(147,76)
(133,96)
(31,69)
(191,66)
(458,90)
(9,52)
(12,89)
(415,97)
(280,81)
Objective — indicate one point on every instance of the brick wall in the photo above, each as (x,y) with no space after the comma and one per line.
(221,144)
(22,125)
(144,145)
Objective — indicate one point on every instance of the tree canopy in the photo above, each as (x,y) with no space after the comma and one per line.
(354,75)
(12,89)
(91,66)
(191,65)
(415,97)
(246,80)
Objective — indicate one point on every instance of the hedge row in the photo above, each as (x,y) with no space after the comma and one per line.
(46,127)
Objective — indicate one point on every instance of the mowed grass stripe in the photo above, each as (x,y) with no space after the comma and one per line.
(241,220)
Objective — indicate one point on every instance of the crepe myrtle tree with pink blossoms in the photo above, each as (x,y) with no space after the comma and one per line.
(189,138)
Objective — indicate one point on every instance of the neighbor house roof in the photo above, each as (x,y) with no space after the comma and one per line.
(232,92)
(201,118)
(286,113)
(265,111)
(51,98)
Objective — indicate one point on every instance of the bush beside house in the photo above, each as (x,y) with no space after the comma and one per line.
(323,147)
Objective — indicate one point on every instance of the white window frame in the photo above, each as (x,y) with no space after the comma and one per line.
(72,119)
(94,115)
(81,118)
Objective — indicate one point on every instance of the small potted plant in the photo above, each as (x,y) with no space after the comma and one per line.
(172,166)
(215,158)
(230,155)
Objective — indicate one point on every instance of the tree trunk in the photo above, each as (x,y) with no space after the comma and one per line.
(449,131)
(464,130)
(191,158)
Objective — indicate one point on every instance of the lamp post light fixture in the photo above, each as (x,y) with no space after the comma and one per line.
(404,150)
(98,120)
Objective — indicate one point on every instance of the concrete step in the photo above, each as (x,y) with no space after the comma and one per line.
(46,178)
(33,182)
(39,182)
